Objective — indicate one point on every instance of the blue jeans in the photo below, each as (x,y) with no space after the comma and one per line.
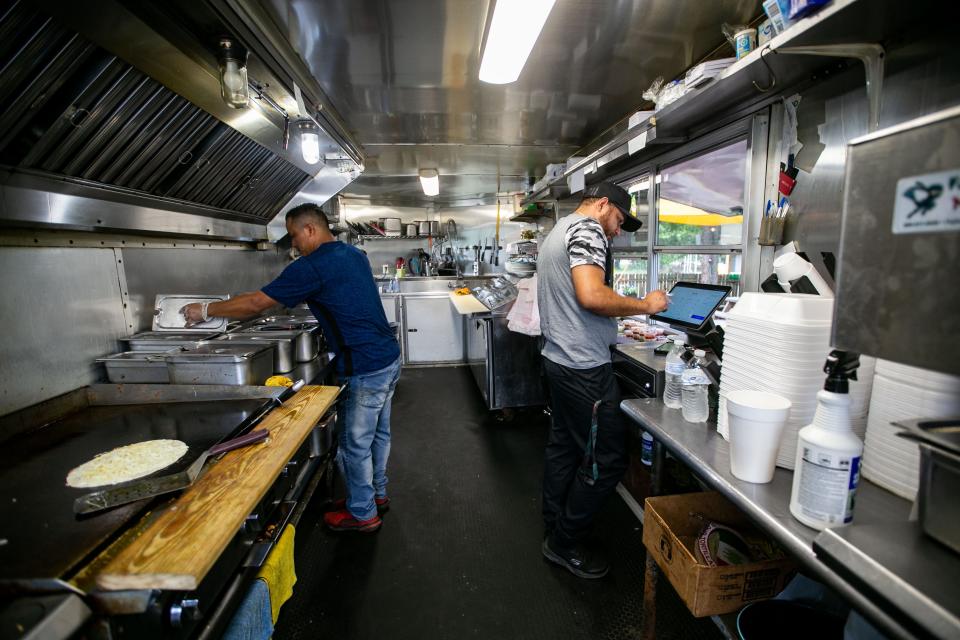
(363,416)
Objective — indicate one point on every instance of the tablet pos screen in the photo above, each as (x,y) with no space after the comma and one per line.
(692,304)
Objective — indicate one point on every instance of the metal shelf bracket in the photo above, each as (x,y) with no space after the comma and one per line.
(871,55)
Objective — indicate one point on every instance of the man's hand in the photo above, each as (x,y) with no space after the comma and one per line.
(193,313)
(657,301)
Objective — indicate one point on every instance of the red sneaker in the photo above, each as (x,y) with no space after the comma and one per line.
(342,521)
(383,505)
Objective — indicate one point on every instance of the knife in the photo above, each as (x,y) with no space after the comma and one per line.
(150,487)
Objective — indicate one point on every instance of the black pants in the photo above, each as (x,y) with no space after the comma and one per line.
(570,499)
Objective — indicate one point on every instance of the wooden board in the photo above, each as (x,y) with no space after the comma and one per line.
(178,548)
(465,305)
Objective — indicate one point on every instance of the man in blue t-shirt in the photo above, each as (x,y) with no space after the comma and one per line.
(335,281)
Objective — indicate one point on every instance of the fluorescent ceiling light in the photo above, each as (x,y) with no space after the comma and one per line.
(514,30)
(430,181)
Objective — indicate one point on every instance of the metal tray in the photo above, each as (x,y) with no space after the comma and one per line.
(306,342)
(212,363)
(159,341)
(167,316)
(283,360)
(136,366)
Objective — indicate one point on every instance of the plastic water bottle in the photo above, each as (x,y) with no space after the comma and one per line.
(646,449)
(695,384)
(675,368)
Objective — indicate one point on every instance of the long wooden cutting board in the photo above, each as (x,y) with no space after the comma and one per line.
(178,548)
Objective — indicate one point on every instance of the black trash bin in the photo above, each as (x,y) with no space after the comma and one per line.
(785,620)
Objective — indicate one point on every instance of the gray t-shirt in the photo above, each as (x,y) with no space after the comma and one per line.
(575,338)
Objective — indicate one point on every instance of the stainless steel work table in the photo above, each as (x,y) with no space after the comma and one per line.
(896,611)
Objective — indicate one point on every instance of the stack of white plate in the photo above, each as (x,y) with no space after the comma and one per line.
(777,343)
(860,393)
(900,393)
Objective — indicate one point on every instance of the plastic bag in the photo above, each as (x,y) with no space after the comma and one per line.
(653,92)
(524,317)
(730,32)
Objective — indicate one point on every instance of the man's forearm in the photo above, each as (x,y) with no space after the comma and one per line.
(242,306)
(607,302)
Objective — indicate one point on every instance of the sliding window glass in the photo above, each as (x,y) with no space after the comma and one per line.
(630,250)
(699,212)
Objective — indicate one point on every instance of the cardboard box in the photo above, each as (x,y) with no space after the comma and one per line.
(670,530)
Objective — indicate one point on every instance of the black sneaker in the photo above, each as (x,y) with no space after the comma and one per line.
(580,561)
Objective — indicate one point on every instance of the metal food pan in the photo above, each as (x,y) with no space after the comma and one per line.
(283,357)
(228,364)
(306,343)
(164,341)
(937,496)
(136,367)
(167,316)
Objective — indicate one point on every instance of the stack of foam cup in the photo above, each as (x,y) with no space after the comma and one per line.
(777,342)
(756,420)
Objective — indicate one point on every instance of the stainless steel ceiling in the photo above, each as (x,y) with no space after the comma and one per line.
(404,72)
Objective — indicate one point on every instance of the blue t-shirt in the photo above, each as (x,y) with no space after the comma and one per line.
(336,282)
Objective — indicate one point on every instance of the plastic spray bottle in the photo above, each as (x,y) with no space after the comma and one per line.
(827,469)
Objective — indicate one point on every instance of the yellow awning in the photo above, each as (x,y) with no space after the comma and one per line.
(679,213)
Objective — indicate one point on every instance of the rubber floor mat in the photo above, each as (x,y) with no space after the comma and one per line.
(458,555)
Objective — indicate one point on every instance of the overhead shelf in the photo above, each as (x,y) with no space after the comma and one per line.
(749,82)
(376,237)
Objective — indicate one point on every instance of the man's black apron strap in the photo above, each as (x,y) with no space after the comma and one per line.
(338,339)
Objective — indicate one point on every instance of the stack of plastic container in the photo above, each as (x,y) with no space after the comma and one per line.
(777,343)
(900,393)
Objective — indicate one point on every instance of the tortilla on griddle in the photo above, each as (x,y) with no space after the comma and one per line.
(126,463)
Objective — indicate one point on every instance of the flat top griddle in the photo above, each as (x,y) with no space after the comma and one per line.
(43,538)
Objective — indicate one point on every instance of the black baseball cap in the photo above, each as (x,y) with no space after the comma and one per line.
(618,197)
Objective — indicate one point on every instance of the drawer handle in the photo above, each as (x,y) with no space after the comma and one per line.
(411,330)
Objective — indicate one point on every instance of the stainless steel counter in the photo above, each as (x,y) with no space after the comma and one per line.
(707,454)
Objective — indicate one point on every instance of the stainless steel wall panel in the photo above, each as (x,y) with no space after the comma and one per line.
(62,309)
(194,271)
(897,296)
(922,77)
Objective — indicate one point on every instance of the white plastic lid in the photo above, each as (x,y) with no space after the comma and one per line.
(699,353)
(677,340)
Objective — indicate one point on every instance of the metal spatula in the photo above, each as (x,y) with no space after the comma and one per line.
(150,487)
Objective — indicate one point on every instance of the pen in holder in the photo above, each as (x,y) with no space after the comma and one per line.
(771,231)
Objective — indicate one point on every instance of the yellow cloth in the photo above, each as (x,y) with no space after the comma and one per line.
(279,572)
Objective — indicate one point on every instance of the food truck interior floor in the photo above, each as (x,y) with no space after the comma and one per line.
(459,551)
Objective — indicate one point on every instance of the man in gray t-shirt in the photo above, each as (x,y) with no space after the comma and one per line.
(577,318)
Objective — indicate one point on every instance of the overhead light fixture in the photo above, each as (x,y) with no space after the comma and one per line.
(514,30)
(232,59)
(430,181)
(309,141)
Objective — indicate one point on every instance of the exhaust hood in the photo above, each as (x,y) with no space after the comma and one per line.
(82,118)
